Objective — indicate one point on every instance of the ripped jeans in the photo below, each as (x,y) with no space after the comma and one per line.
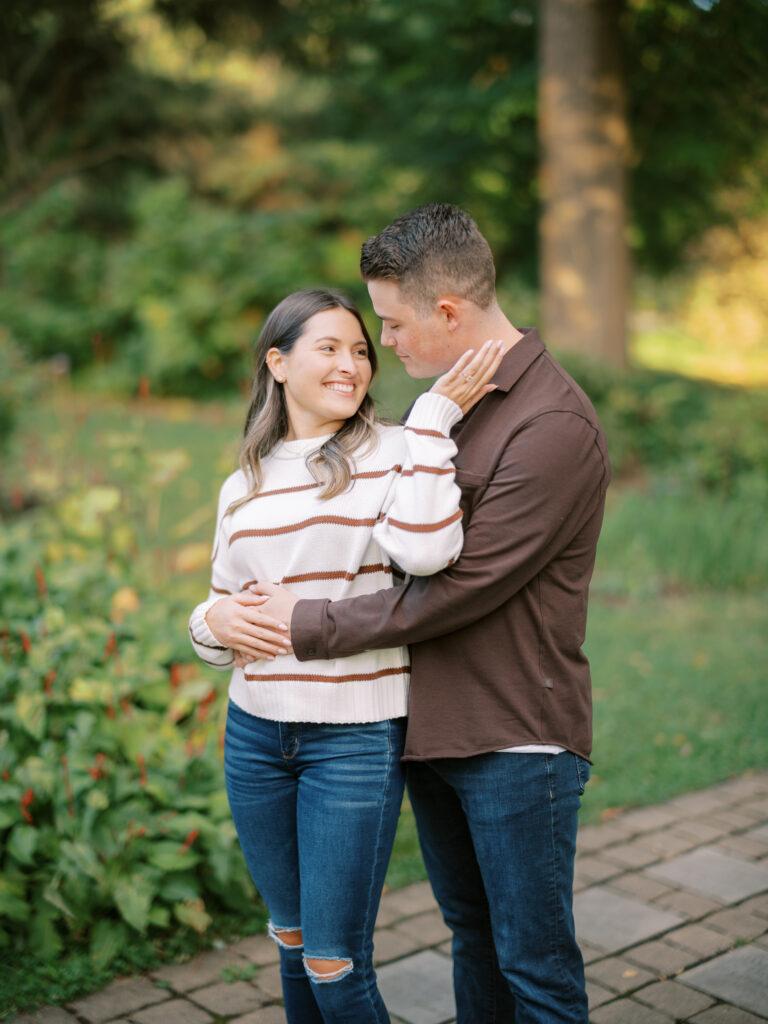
(315,807)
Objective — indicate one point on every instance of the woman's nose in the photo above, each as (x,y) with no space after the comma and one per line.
(346,365)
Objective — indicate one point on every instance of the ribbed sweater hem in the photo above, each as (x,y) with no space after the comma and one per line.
(334,703)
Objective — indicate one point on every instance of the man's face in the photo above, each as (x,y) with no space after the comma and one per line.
(424,342)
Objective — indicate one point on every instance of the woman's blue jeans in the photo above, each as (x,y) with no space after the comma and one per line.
(498,834)
(315,807)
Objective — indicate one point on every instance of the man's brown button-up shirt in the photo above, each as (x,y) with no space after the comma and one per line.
(496,638)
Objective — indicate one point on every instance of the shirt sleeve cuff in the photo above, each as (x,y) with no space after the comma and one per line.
(307,630)
(434,412)
(201,631)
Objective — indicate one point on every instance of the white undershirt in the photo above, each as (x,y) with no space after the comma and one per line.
(533,748)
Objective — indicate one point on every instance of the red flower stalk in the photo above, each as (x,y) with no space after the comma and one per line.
(49,680)
(42,587)
(191,837)
(142,769)
(110,647)
(174,674)
(68,786)
(97,770)
(25,802)
(26,643)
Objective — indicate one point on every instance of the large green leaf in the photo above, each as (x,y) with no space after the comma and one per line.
(44,938)
(160,916)
(108,938)
(133,896)
(53,896)
(30,711)
(23,843)
(8,815)
(180,887)
(11,903)
(193,914)
(170,856)
(82,858)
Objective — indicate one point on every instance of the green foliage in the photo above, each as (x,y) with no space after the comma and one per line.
(447,91)
(113,817)
(269,186)
(713,436)
(18,383)
(176,299)
(699,118)
(670,537)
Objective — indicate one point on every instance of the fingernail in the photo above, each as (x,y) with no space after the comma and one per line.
(282,625)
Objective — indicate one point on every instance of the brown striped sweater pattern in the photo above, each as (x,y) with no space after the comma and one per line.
(402,507)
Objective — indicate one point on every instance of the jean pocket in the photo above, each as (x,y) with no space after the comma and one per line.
(583,772)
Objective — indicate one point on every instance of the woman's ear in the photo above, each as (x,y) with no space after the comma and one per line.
(276,364)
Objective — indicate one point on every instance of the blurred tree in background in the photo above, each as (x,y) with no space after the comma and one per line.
(171,167)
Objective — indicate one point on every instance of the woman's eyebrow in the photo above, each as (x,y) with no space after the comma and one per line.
(338,341)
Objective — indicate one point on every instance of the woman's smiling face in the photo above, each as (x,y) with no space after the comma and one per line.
(326,375)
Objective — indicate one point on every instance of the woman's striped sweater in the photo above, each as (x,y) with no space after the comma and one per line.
(402,507)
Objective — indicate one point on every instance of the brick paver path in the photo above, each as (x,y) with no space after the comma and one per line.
(671,909)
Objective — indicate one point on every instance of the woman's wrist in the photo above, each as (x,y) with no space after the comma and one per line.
(433,411)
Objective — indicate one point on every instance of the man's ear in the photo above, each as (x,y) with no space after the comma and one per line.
(448,308)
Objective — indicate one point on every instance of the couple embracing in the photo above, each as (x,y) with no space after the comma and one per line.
(407,603)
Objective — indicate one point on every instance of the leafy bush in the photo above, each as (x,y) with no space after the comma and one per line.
(170,295)
(712,435)
(113,816)
(18,382)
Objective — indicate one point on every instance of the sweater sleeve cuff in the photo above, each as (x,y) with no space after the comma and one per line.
(434,412)
(307,630)
(201,631)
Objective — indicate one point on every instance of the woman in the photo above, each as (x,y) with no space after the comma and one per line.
(327,497)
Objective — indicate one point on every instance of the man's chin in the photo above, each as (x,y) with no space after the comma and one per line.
(415,371)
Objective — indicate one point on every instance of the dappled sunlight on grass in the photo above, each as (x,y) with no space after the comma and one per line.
(718,359)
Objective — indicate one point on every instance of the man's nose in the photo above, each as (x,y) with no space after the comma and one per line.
(386,340)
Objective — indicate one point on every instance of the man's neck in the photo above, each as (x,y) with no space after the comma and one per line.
(493,324)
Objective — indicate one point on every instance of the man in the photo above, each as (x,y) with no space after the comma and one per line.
(499,732)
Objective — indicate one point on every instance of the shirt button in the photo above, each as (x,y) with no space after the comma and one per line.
(311,651)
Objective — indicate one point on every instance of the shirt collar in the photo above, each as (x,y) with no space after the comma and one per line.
(518,359)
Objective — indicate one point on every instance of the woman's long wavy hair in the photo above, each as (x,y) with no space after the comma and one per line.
(267,421)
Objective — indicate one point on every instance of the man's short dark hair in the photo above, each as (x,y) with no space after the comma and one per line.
(433,250)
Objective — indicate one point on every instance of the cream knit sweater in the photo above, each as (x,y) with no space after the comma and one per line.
(402,507)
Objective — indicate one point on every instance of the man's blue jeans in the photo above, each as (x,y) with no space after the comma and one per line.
(498,834)
(315,807)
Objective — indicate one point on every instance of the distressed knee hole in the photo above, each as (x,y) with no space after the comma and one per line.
(321,969)
(288,938)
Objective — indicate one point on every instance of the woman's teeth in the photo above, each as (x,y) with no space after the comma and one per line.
(343,389)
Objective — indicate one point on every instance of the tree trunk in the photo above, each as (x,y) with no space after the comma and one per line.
(584,145)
